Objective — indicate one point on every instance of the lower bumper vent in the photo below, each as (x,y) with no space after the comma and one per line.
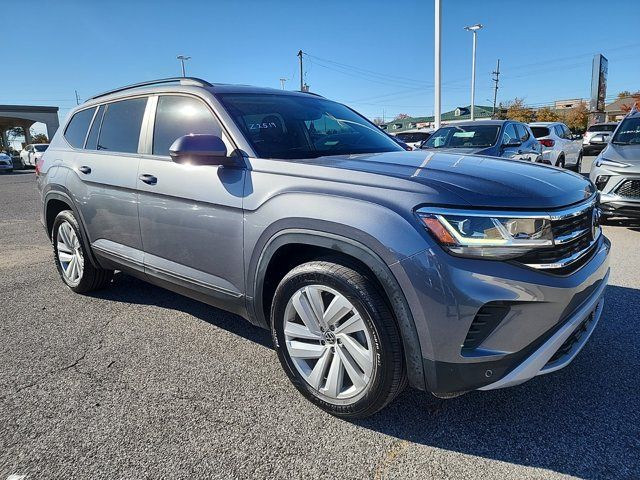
(486,320)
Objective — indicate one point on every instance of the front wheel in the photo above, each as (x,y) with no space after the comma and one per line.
(337,340)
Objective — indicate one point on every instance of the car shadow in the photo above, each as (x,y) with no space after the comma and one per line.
(128,289)
(583,420)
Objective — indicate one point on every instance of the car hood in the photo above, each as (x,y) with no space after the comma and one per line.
(479,181)
(629,154)
(457,151)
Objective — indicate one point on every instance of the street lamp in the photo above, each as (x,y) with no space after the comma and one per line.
(473,29)
(182,59)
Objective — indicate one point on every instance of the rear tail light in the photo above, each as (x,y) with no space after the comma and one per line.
(547,142)
(39,166)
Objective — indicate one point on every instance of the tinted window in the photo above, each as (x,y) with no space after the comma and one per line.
(41,148)
(567,133)
(413,136)
(463,136)
(303,126)
(540,132)
(602,128)
(558,129)
(510,135)
(523,133)
(121,124)
(177,116)
(77,129)
(92,139)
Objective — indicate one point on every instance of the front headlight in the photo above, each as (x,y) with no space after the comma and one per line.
(610,163)
(487,235)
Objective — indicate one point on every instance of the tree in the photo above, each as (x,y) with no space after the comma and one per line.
(578,117)
(624,94)
(635,97)
(546,114)
(401,116)
(378,121)
(516,110)
(39,138)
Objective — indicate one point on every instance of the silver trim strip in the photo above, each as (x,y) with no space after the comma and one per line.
(565,262)
(536,363)
(551,214)
(572,236)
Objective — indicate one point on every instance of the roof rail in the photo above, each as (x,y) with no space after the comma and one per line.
(198,82)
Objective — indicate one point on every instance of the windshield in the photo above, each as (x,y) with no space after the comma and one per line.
(291,126)
(628,133)
(40,148)
(463,137)
(601,128)
(540,132)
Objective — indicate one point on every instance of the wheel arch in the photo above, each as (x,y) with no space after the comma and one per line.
(317,243)
(56,201)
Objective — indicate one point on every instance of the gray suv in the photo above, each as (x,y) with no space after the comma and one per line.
(372,267)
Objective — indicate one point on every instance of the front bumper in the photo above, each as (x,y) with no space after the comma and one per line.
(446,293)
(6,166)
(612,203)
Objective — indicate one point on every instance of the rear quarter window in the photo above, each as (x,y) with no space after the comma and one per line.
(540,132)
(76,130)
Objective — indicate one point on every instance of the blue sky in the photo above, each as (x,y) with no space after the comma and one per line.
(375,56)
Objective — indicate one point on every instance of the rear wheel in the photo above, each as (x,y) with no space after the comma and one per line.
(72,261)
(579,162)
(337,340)
(560,161)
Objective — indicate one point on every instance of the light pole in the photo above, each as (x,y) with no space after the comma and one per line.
(473,29)
(182,59)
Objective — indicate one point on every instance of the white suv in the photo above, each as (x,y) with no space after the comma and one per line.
(560,147)
(30,155)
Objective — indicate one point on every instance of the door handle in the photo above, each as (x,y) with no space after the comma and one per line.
(84,169)
(148,179)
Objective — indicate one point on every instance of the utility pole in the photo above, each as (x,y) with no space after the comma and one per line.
(77,98)
(496,79)
(282,80)
(436,67)
(301,75)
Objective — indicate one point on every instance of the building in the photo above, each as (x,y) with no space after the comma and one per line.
(615,112)
(460,114)
(567,104)
(25,116)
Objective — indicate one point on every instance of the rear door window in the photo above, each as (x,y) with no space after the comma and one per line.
(120,131)
(509,134)
(523,133)
(77,129)
(178,115)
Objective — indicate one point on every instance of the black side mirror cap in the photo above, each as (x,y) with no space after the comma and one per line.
(201,149)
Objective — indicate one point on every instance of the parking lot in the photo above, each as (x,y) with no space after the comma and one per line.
(136,382)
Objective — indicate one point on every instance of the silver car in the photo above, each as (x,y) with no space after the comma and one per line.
(616,171)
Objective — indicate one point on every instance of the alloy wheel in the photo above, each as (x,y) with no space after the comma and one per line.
(329,342)
(69,253)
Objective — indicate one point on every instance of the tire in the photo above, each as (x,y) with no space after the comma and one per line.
(69,249)
(560,161)
(337,381)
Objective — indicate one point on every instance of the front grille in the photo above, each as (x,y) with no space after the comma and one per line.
(486,320)
(574,242)
(629,189)
(574,338)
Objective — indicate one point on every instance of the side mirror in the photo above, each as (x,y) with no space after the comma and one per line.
(514,142)
(598,139)
(200,149)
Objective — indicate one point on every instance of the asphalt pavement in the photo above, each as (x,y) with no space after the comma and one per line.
(138,382)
